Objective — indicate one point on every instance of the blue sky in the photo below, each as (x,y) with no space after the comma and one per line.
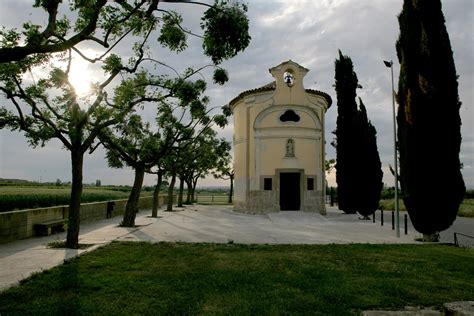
(307,32)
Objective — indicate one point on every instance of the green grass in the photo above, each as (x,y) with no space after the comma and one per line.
(24,197)
(190,279)
(389,205)
(466,209)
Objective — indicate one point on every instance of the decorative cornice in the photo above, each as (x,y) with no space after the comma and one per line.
(271,87)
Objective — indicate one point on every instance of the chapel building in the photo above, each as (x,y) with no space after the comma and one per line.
(279,145)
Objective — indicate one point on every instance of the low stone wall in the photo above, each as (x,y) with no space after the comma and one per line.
(314,202)
(16,225)
(261,202)
(265,202)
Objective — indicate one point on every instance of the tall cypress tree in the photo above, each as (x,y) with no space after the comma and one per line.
(358,167)
(428,119)
(346,85)
(370,167)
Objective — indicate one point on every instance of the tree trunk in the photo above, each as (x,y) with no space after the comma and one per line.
(194,189)
(181,190)
(169,207)
(231,188)
(132,204)
(433,237)
(156,195)
(188,193)
(72,239)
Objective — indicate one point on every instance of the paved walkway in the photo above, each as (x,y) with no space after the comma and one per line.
(198,223)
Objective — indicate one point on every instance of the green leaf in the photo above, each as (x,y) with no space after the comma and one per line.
(172,36)
(112,63)
(226,30)
(220,76)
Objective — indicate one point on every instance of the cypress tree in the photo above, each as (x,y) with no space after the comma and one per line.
(346,85)
(428,119)
(370,167)
(358,167)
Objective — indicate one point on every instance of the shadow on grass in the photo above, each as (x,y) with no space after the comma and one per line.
(178,278)
(70,302)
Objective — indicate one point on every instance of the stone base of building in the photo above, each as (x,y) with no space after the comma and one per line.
(266,202)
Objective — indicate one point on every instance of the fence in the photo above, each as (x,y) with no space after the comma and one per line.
(212,199)
(464,241)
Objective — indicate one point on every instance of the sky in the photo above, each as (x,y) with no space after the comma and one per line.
(307,32)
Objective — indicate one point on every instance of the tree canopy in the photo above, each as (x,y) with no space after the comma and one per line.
(47,106)
(358,166)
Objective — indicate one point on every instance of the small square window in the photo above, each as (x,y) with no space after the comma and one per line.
(310,184)
(267,184)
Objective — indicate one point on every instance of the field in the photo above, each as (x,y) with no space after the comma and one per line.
(466,209)
(25,197)
(17,197)
(222,279)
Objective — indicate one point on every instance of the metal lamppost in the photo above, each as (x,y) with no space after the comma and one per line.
(389,64)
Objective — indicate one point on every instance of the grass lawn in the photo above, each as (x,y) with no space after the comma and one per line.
(174,278)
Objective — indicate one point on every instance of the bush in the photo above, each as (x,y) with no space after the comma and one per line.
(469,194)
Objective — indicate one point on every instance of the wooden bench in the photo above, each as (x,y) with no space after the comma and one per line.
(49,227)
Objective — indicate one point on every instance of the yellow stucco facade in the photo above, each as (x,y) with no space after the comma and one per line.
(279,144)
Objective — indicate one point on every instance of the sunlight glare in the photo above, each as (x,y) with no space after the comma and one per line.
(81,77)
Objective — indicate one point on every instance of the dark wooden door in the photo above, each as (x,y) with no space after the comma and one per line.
(290,191)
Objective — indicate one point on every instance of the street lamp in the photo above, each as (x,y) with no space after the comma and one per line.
(389,64)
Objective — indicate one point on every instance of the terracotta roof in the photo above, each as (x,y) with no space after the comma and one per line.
(272,86)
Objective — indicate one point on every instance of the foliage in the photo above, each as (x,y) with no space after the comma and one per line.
(371,179)
(226,30)
(430,174)
(329,165)
(469,194)
(49,107)
(178,139)
(246,279)
(107,23)
(358,166)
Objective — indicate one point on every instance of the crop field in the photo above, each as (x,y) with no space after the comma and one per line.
(466,209)
(25,197)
